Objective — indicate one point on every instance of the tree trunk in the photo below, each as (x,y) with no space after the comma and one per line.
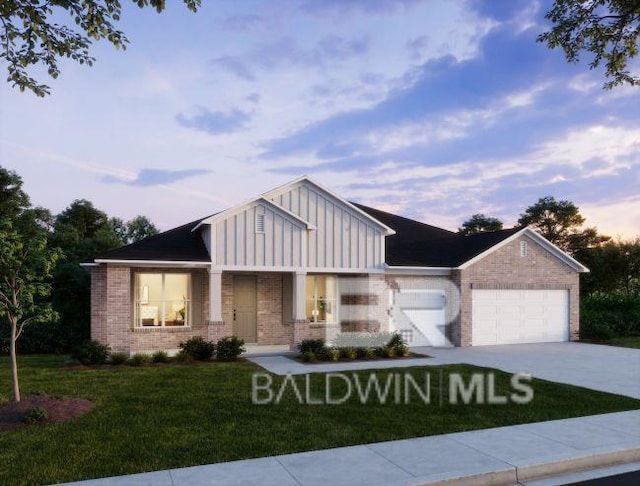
(14,362)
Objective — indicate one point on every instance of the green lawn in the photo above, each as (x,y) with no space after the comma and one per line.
(625,342)
(177,415)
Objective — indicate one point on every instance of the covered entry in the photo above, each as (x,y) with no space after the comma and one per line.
(502,316)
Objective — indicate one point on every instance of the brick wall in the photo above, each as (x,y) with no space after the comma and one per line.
(506,269)
(271,328)
(99,303)
(118,308)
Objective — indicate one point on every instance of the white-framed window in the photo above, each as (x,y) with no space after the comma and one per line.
(524,249)
(322,299)
(162,299)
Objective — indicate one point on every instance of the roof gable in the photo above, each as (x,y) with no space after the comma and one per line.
(278,194)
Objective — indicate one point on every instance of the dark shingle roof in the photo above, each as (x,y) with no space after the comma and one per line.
(414,244)
(179,244)
(421,245)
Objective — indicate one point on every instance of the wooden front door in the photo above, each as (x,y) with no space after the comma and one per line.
(245,309)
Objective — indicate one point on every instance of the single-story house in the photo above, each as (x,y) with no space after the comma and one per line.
(301,262)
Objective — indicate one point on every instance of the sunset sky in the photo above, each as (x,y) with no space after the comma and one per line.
(433,109)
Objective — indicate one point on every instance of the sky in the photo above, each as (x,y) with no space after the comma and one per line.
(431,109)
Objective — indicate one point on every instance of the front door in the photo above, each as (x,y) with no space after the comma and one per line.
(245,309)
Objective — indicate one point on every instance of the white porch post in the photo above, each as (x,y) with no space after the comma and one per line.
(300,323)
(215,295)
(216,328)
(299,296)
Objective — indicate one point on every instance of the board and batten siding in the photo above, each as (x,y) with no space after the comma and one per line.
(236,243)
(344,238)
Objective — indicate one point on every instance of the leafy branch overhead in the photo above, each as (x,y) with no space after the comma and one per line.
(36,34)
(608,29)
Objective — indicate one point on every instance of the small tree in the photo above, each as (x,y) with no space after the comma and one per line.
(479,223)
(25,269)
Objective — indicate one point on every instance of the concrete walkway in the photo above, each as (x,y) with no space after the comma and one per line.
(605,368)
(504,455)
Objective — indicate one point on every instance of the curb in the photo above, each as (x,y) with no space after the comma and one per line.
(529,472)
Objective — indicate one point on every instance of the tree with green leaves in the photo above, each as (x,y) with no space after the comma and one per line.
(560,222)
(26,265)
(479,223)
(36,34)
(614,268)
(608,30)
(134,230)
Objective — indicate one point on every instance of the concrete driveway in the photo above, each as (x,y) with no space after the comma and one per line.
(605,368)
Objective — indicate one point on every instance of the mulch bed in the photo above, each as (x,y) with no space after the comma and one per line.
(60,410)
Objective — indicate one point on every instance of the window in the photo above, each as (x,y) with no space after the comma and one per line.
(322,291)
(162,299)
(259,223)
(524,249)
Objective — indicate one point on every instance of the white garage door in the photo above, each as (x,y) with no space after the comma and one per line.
(520,316)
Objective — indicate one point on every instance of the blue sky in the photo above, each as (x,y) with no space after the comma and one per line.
(432,109)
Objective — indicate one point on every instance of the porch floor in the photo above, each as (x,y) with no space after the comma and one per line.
(256,350)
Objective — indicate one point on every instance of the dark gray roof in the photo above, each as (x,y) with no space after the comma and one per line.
(421,245)
(179,244)
(414,244)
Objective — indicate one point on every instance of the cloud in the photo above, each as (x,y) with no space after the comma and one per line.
(235,66)
(241,22)
(369,7)
(154,177)
(286,52)
(215,122)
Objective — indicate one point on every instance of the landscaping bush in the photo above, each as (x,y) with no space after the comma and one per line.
(35,415)
(160,357)
(118,358)
(333,354)
(183,357)
(349,353)
(229,348)
(313,345)
(607,316)
(308,356)
(139,359)
(369,353)
(197,348)
(91,353)
(389,352)
(401,350)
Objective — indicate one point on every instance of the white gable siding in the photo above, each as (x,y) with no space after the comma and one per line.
(344,238)
(238,245)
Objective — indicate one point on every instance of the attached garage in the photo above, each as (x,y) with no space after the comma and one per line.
(501,316)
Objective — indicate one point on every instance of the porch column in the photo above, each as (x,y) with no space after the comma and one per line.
(300,323)
(216,327)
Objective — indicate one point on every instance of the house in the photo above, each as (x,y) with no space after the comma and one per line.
(301,262)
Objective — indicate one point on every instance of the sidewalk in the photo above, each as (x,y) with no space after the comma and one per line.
(504,455)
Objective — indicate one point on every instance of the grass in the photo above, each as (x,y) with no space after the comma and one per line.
(625,342)
(151,418)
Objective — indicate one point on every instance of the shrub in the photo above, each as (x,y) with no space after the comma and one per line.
(607,316)
(183,357)
(349,353)
(396,341)
(139,359)
(229,348)
(308,356)
(118,358)
(313,345)
(333,354)
(35,415)
(160,357)
(197,348)
(389,352)
(369,353)
(401,350)
(91,353)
